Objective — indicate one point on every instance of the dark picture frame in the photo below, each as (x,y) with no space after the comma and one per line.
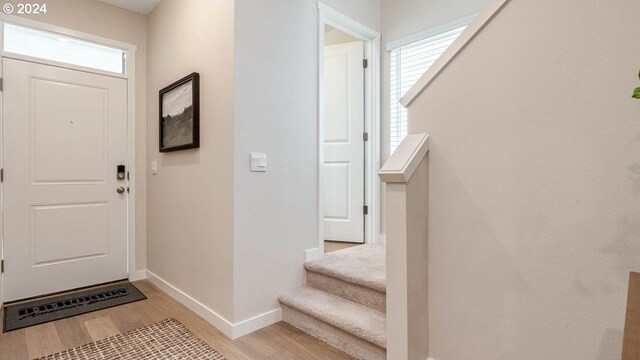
(179,116)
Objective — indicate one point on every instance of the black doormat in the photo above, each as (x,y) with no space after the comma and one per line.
(40,311)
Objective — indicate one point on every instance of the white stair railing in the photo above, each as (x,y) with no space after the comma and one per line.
(406,175)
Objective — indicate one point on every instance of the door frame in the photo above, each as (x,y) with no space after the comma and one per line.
(330,16)
(129,76)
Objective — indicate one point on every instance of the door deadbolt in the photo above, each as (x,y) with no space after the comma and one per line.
(121,172)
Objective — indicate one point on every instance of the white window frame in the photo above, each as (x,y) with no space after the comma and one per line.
(130,49)
(129,75)
(39,35)
(406,41)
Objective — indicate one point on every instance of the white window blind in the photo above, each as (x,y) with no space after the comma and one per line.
(408,63)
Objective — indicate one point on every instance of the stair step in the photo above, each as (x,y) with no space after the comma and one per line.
(350,344)
(363,265)
(372,298)
(355,319)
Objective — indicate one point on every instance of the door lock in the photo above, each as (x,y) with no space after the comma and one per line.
(121,172)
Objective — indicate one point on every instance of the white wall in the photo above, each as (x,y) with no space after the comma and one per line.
(190,200)
(366,12)
(100,19)
(534,209)
(276,213)
(401,18)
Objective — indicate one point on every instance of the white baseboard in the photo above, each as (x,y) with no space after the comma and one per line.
(192,304)
(231,330)
(257,322)
(313,254)
(138,275)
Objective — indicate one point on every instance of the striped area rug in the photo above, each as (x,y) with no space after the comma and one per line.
(167,339)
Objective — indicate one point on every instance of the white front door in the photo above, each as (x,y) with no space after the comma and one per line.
(65,223)
(343,142)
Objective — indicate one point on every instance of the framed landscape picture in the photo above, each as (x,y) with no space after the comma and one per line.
(180,114)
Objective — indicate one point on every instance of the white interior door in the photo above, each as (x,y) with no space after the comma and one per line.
(343,142)
(65,224)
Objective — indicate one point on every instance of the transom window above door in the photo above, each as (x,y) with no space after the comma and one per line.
(57,47)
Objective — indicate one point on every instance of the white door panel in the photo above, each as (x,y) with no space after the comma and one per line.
(53,243)
(56,158)
(343,176)
(65,133)
(337,184)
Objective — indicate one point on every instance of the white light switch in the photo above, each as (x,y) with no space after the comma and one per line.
(258,162)
(154,167)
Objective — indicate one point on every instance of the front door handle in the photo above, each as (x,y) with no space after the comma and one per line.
(120,190)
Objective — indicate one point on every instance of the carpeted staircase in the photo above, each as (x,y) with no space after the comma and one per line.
(344,302)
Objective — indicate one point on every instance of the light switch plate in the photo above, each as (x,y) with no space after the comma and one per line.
(258,162)
(154,167)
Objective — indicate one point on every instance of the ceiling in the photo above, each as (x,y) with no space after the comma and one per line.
(143,7)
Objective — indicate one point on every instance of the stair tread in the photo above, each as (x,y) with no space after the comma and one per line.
(364,265)
(358,320)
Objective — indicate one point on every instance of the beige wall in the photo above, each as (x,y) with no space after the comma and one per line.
(334,36)
(190,200)
(100,19)
(402,18)
(534,208)
(209,220)
(258,93)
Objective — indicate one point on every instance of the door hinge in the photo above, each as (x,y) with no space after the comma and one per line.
(365,136)
(1,84)
(1,175)
(365,63)
(365,210)
(1,266)
(128,178)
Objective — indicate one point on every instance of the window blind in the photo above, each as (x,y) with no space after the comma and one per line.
(408,63)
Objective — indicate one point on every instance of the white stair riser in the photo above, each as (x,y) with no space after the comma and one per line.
(352,345)
(359,294)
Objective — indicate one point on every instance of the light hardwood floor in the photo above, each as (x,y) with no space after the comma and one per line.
(276,342)
(330,246)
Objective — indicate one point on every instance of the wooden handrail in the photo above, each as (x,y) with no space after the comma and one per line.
(405,160)
(456,48)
